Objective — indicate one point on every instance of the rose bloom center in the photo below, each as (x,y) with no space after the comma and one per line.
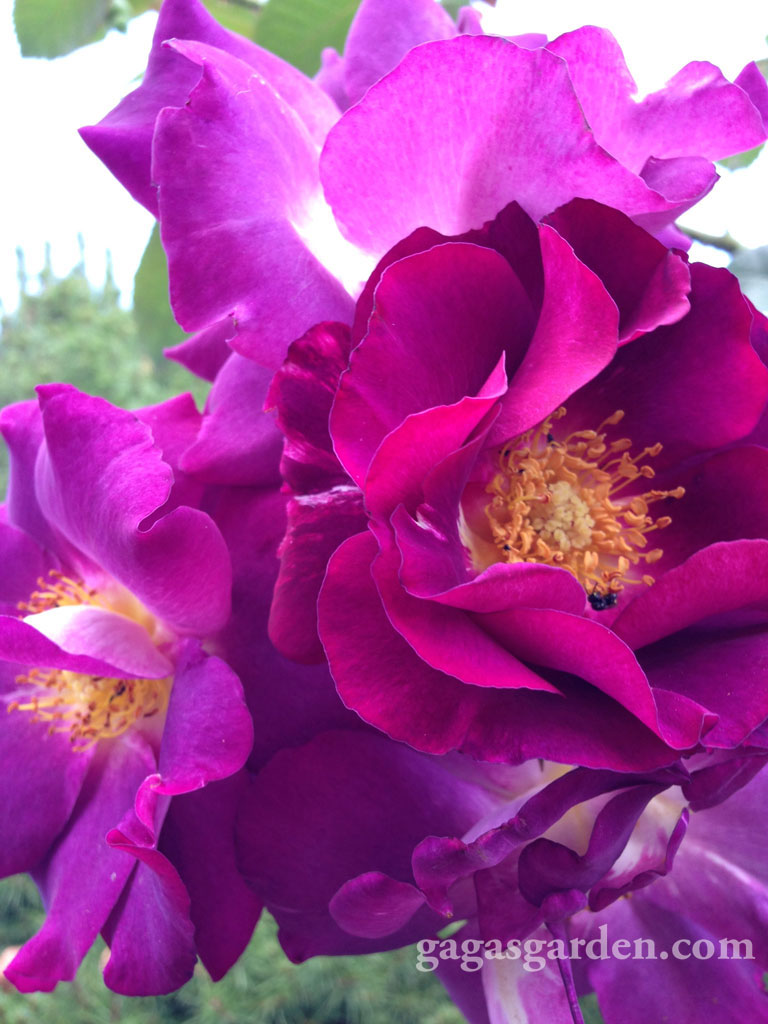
(556,499)
(90,708)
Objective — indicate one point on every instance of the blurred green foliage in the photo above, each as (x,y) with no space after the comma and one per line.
(70,331)
(297,30)
(52,28)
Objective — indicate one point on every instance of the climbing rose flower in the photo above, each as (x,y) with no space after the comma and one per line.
(533,529)
(117,707)
(525,855)
(263,192)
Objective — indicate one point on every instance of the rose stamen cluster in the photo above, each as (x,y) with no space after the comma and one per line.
(91,708)
(58,591)
(553,503)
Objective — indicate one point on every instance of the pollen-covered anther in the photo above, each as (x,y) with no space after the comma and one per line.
(554,502)
(90,708)
(58,591)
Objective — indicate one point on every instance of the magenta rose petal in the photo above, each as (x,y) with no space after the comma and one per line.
(716,668)
(206,352)
(575,337)
(726,499)
(447,639)
(22,643)
(149,933)
(198,837)
(123,139)
(208,732)
(382,33)
(349,605)
(317,525)
(391,687)
(302,393)
(98,478)
(523,102)
(648,283)
(81,878)
(96,633)
(428,571)
(720,870)
(303,784)
(23,562)
(290,702)
(264,206)
(719,990)
(697,111)
(514,993)
(374,905)
(683,404)
(425,439)
(21,427)
(235,447)
(587,649)
(38,798)
(717,579)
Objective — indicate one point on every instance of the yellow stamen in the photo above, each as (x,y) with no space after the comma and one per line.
(58,591)
(91,708)
(554,503)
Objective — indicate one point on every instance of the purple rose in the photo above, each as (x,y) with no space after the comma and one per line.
(273,210)
(525,857)
(118,710)
(535,528)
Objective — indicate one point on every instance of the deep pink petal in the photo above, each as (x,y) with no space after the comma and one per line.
(206,352)
(458,307)
(683,403)
(382,678)
(105,636)
(317,524)
(575,338)
(647,282)
(696,113)
(717,579)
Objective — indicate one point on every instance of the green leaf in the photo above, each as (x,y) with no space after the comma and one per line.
(297,30)
(590,1009)
(151,308)
(53,28)
(46,29)
(453,6)
(239,16)
(735,163)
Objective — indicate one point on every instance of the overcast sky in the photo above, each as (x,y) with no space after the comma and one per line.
(53,187)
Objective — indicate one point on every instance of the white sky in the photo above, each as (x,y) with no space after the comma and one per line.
(53,187)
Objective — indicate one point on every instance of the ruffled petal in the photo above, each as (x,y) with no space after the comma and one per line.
(258,230)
